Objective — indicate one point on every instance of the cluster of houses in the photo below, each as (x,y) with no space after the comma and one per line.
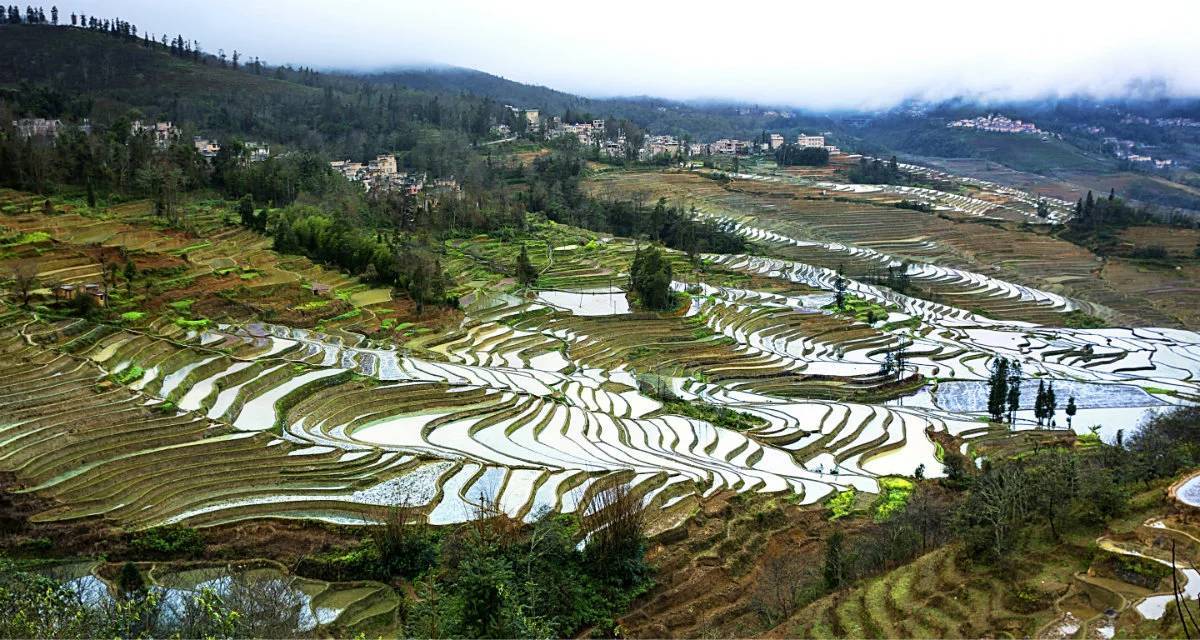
(208,149)
(1125,150)
(37,127)
(66,292)
(383,173)
(997,124)
(730,147)
(163,133)
(1177,122)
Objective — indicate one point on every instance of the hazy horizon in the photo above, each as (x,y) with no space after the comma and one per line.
(818,57)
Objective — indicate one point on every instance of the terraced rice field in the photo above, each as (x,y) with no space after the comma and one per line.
(314,603)
(533,400)
(952,255)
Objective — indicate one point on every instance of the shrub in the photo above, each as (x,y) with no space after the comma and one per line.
(407,546)
(841,504)
(132,316)
(128,375)
(893,495)
(167,541)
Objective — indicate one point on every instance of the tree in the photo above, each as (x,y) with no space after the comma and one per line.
(526,273)
(998,389)
(1014,391)
(996,507)
(1053,482)
(650,276)
(25,274)
(130,274)
(130,580)
(1039,404)
(1071,410)
(246,211)
(1051,404)
(839,288)
(834,569)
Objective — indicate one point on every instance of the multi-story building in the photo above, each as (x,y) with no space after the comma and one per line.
(776,140)
(39,127)
(257,151)
(806,142)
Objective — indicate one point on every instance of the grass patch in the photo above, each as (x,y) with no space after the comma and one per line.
(182,306)
(31,237)
(312,305)
(201,323)
(719,416)
(168,541)
(842,504)
(128,375)
(893,495)
(1077,319)
(353,313)
(861,309)
(132,316)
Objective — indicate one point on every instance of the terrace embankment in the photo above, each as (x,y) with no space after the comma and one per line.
(1007,250)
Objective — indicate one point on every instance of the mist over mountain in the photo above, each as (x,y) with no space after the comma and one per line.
(760,52)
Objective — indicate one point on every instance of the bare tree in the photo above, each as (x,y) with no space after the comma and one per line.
(25,274)
(613,520)
(779,586)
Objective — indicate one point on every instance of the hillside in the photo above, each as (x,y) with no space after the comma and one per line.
(57,71)
(459,80)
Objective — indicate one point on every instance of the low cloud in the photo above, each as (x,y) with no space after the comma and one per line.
(818,55)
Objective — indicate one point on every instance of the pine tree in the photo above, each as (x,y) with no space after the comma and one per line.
(839,287)
(1039,404)
(1071,409)
(526,273)
(1014,391)
(998,389)
(1051,404)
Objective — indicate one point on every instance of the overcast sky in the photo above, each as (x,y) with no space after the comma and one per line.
(827,54)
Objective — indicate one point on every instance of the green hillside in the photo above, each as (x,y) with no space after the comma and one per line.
(74,73)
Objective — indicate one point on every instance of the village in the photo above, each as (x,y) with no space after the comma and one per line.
(999,124)
(612,143)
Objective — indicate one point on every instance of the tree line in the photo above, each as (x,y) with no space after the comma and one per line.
(554,190)
(791,155)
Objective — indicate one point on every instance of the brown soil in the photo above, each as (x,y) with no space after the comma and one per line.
(281,540)
(714,573)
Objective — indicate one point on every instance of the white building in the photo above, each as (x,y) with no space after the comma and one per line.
(806,142)
(27,127)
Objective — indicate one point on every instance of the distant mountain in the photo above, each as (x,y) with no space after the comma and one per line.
(460,80)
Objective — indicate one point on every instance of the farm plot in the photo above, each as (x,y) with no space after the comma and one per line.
(850,232)
(532,398)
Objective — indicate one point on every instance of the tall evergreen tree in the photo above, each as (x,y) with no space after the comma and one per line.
(1051,404)
(998,389)
(526,273)
(1039,403)
(1014,390)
